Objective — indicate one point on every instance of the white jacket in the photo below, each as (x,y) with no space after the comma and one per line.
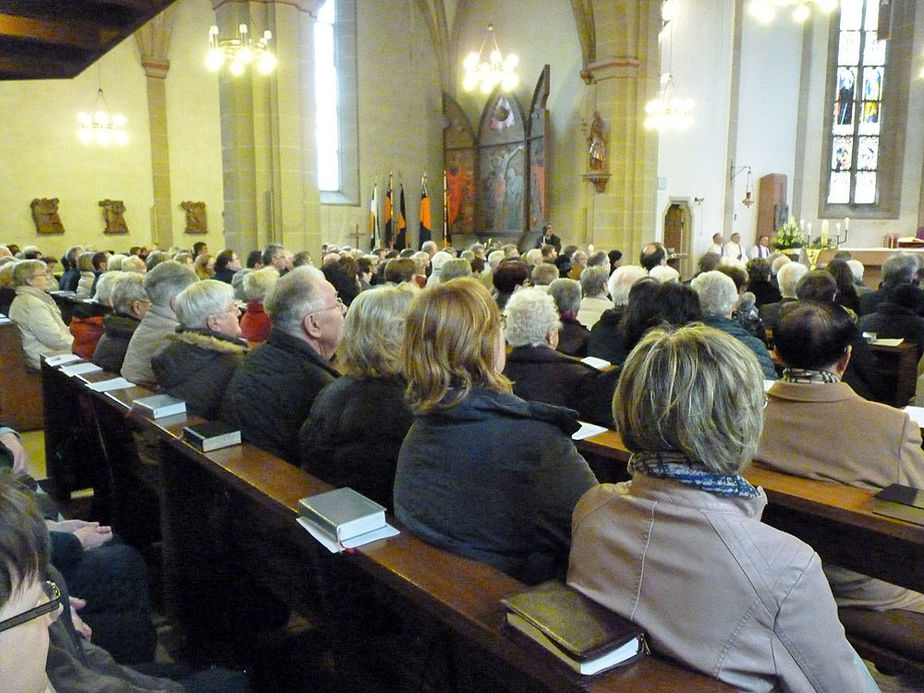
(40,325)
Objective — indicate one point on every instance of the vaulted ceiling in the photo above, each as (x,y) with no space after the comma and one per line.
(54,39)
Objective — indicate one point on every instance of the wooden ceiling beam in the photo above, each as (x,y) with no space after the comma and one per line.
(76,34)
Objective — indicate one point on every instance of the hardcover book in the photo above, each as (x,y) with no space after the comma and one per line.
(342,513)
(586,636)
(159,406)
(212,435)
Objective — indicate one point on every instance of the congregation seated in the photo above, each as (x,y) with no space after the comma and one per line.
(87,318)
(357,423)
(898,269)
(258,285)
(482,473)
(272,390)
(718,299)
(759,282)
(604,338)
(510,275)
(573,337)
(71,275)
(227,264)
(847,295)
(684,536)
(36,314)
(595,302)
(130,303)
(197,361)
(896,317)
(87,275)
(161,285)
(787,276)
(539,373)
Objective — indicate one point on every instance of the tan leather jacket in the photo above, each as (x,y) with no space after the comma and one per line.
(712,585)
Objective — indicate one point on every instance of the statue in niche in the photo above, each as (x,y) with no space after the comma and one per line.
(113,213)
(45,215)
(195,217)
(597,145)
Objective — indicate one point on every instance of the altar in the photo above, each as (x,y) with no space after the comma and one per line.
(872,259)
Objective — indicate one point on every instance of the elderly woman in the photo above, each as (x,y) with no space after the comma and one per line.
(482,473)
(358,422)
(87,275)
(258,286)
(204,266)
(36,314)
(129,304)
(542,374)
(196,363)
(573,337)
(681,550)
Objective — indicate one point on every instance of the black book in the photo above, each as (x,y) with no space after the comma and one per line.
(901,502)
(212,435)
(586,636)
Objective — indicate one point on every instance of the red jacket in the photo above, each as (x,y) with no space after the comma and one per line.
(255,323)
(87,332)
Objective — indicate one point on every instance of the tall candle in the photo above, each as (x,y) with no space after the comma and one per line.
(801,223)
(846,223)
(808,230)
(824,233)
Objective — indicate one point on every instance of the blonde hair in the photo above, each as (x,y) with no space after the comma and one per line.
(695,390)
(373,333)
(452,333)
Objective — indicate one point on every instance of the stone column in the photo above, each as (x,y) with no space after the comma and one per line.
(153,40)
(622,79)
(269,157)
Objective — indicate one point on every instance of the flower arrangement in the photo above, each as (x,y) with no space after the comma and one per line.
(789,236)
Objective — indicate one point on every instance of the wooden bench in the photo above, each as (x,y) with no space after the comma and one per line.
(233,511)
(20,388)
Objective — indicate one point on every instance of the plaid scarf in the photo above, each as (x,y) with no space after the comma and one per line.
(807,376)
(680,468)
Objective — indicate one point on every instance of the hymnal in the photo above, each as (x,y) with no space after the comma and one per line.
(901,502)
(212,435)
(117,383)
(586,636)
(342,514)
(61,359)
(159,406)
(80,369)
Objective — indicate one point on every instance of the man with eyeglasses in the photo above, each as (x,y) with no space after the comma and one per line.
(272,390)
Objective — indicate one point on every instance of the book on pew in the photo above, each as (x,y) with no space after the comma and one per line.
(343,518)
(212,435)
(159,406)
(81,368)
(596,362)
(586,636)
(61,359)
(901,502)
(107,384)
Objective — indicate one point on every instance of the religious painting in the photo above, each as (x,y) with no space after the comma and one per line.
(502,169)
(45,215)
(537,134)
(460,158)
(114,216)
(196,221)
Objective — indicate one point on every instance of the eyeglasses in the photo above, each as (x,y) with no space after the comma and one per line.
(339,305)
(54,595)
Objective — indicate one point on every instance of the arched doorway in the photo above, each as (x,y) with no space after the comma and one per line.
(678,221)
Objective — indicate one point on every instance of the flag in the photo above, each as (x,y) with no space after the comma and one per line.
(401,237)
(423,233)
(389,223)
(447,234)
(374,215)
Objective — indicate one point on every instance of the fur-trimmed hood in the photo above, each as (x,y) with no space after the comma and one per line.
(210,340)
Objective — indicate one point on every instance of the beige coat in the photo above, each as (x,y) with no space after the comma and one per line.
(827,431)
(712,586)
(149,336)
(40,325)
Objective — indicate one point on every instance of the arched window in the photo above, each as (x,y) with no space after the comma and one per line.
(867,90)
(335,99)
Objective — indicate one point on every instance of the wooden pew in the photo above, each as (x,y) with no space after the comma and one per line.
(898,368)
(20,388)
(234,510)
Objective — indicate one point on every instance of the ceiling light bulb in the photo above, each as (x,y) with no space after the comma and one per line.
(237,68)
(214,59)
(800,13)
(266,63)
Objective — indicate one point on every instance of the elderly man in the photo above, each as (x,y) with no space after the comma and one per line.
(271,392)
(542,374)
(788,278)
(161,285)
(595,301)
(652,255)
(578,263)
(573,336)
(718,243)
(274,254)
(733,249)
(811,428)
(718,299)
(896,270)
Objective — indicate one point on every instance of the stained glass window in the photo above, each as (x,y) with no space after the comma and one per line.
(857,105)
(327,98)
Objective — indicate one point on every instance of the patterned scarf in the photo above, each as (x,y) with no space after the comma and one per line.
(680,468)
(807,376)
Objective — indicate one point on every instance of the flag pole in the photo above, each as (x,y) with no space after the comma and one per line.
(445,209)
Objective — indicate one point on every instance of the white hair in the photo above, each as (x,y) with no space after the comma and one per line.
(259,283)
(115,262)
(531,315)
(856,267)
(104,285)
(533,257)
(133,263)
(200,301)
(495,257)
(788,276)
(622,280)
(664,274)
(717,293)
(778,263)
(127,288)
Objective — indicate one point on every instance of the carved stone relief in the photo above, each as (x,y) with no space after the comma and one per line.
(113,214)
(45,215)
(196,221)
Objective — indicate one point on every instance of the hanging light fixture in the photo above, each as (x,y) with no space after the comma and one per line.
(667,111)
(100,125)
(764,11)
(748,184)
(488,74)
(240,51)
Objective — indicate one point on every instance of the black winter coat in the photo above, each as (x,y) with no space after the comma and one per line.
(117,333)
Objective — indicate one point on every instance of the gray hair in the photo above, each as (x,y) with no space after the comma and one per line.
(373,332)
(778,263)
(200,301)
(167,280)
(104,286)
(567,295)
(597,259)
(856,267)
(295,295)
(454,269)
(438,260)
(664,274)
(133,263)
(258,284)
(788,276)
(544,274)
(717,293)
(694,390)
(533,257)
(899,268)
(531,315)
(495,257)
(155,257)
(71,254)
(127,288)
(115,262)
(25,270)
(593,280)
(271,251)
(428,245)
(622,280)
